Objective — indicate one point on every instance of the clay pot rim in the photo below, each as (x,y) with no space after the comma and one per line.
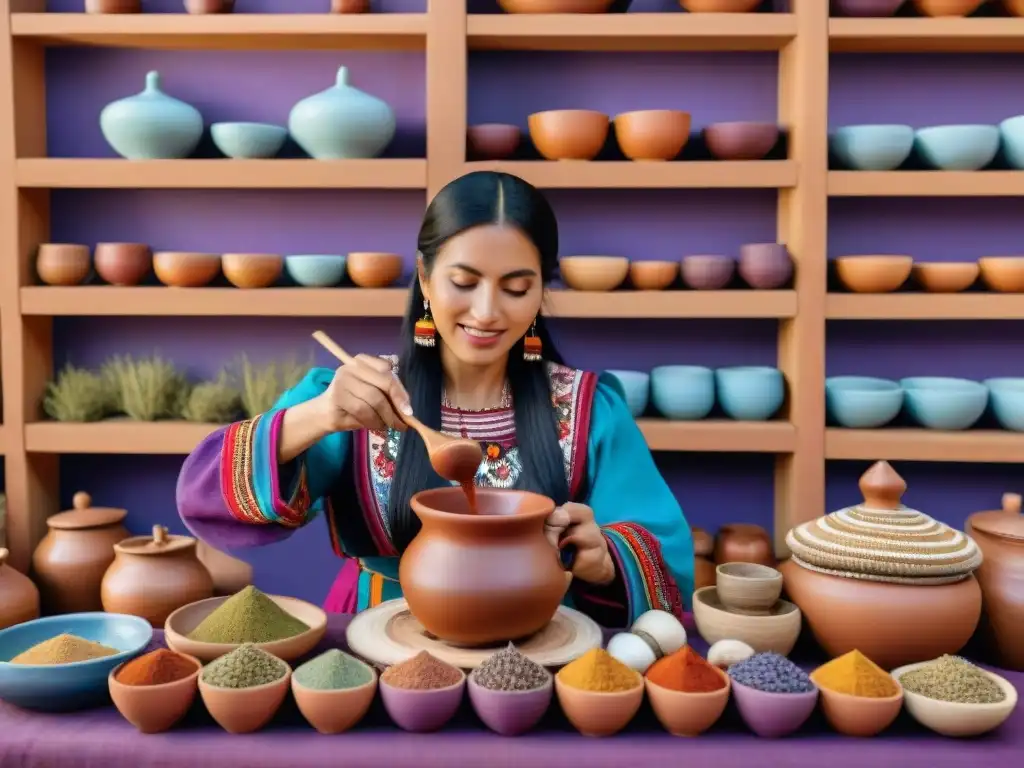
(761,573)
(324,692)
(719,258)
(64,245)
(759,692)
(427,691)
(232,256)
(788,607)
(945,265)
(537,507)
(694,694)
(103,517)
(175,543)
(283,680)
(503,126)
(1010,702)
(115,683)
(119,244)
(549,686)
(550,112)
(829,693)
(652,112)
(742,124)
(583,692)
(371,255)
(186,255)
(652,263)
(601,259)
(1015,260)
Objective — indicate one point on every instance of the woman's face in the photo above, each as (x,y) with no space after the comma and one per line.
(484,290)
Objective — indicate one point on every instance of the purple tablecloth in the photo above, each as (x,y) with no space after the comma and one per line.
(102,739)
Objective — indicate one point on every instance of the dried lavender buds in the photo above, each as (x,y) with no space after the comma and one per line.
(771,673)
(509,670)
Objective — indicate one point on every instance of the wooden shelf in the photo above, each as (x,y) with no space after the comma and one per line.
(239,31)
(582,174)
(719,436)
(630,32)
(975,446)
(924,306)
(939,35)
(90,301)
(74,173)
(926,183)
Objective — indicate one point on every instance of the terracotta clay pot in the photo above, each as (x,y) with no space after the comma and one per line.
(719,6)
(765,266)
(123,263)
(113,6)
(1003,273)
(708,272)
(252,270)
(741,140)
(350,6)
(652,134)
(947,7)
(492,141)
(182,269)
(374,270)
(210,6)
(490,577)
(153,576)
(703,568)
(1000,535)
(653,275)
(230,575)
(881,273)
(70,561)
(744,543)
(569,134)
(63,263)
(19,598)
(1014,7)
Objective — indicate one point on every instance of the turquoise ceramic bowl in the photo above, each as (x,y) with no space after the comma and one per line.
(958,147)
(750,392)
(862,402)
(1007,398)
(873,147)
(1011,134)
(64,687)
(248,141)
(315,270)
(939,402)
(683,392)
(637,385)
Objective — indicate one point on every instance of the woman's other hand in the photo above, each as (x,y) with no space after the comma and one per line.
(365,394)
(573,525)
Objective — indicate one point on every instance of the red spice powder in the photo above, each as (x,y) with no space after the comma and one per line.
(686,671)
(156,668)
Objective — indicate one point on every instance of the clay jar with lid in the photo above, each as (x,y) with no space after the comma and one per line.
(19,598)
(153,576)
(70,561)
(1000,534)
(490,577)
(744,543)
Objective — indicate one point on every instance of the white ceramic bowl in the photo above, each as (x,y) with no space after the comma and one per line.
(951,718)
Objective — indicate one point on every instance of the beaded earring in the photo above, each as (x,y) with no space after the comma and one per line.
(424,332)
(532,345)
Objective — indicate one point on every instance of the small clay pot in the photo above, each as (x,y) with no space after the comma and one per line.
(350,6)
(20,600)
(703,542)
(873,274)
(252,270)
(765,266)
(210,6)
(744,543)
(720,6)
(653,275)
(373,270)
(741,140)
(957,8)
(652,134)
(569,134)
(945,276)
(123,263)
(866,8)
(492,141)
(1003,273)
(708,272)
(113,6)
(184,269)
(63,263)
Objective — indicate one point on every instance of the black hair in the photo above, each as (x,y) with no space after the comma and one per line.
(479,199)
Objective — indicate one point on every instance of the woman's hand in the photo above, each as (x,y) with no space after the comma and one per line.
(573,525)
(365,394)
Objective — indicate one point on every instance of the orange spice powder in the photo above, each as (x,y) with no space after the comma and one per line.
(686,671)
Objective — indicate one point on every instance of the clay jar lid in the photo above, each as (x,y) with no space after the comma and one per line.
(882,540)
(83,515)
(1007,523)
(160,543)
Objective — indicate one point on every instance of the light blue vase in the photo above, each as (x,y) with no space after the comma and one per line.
(342,123)
(151,125)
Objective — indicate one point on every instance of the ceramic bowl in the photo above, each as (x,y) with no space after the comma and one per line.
(777,631)
(708,272)
(773,715)
(422,711)
(1003,273)
(873,274)
(248,141)
(873,147)
(210,6)
(335,711)
(594,713)
(593,273)
(315,270)
(945,276)
(113,6)
(637,385)
(374,270)
(862,402)
(1014,7)
(860,715)
(122,263)
(741,140)
(652,134)
(63,263)
(750,392)
(687,714)
(554,6)
(748,587)
(155,708)
(1007,398)
(683,392)
(653,275)
(765,266)
(245,710)
(492,141)
(188,617)
(183,269)
(720,6)
(939,402)
(954,719)
(958,147)
(510,713)
(569,134)
(1011,130)
(947,7)
(65,687)
(866,8)
(252,270)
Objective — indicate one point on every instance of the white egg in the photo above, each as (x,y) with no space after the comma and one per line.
(631,651)
(725,653)
(668,632)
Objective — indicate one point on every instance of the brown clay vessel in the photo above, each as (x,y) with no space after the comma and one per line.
(19,598)
(569,134)
(492,141)
(708,272)
(1003,273)
(113,6)
(719,6)
(741,140)
(210,6)
(184,269)
(350,6)
(373,270)
(744,543)
(652,134)
(874,273)
(70,561)
(945,276)
(593,273)
(123,263)
(1014,7)
(63,263)
(765,266)
(947,7)
(703,550)
(229,574)
(555,6)
(252,270)
(653,275)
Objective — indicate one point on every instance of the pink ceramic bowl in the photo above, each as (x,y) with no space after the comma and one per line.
(492,141)
(741,140)
(510,713)
(422,711)
(772,715)
(708,272)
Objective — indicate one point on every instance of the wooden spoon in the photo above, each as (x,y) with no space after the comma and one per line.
(453,458)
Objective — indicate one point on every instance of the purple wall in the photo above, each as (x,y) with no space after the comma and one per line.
(657,224)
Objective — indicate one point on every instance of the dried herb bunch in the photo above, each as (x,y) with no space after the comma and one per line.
(213,402)
(262,385)
(78,394)
(146,389)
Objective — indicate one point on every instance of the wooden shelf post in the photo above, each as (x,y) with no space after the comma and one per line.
(446,92)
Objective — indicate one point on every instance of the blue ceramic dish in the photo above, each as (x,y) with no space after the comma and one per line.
(873,147)
(939,402)
(862,402)
(958,147)
(1007,398)
(64,687)
(248,141)
(1011,134)
(750,392)
(683,392)
(315,270)
(637,386)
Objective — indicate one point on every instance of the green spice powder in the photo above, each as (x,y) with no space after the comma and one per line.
(333,670)
(245,667)
(950,678)
(248,616)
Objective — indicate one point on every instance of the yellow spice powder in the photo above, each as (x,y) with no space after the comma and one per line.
(597,670)
(63,649)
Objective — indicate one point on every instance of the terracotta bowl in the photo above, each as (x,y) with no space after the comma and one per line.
(777,631)
(719,6)
(492,141)
(123,263)
(209,6)
(374,270)
(653,275)
(599,714)
(1014,7)
(947,7)
(1003,273)
(773,715)
(945,276)
(154,708)
(244,710)
(741,140)
(113,6)
(688,714)
(183,269)
(860,715)
(652,134)
(866,8)
(252,270)
(569,134)
(954,719)
(63,263)
(708,272)
(873,274)
(332,711)
(422,711)
(188,617)
(748,587)
(593,273)
(510,713)
(555,6)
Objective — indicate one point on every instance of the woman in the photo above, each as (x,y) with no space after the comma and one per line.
(477,361)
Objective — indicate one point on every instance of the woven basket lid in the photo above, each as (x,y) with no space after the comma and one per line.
(883,540)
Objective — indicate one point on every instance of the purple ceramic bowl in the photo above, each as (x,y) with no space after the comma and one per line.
(741,140)
(772,715)
(708,272)
(765,266)
(866,8)
(510,713)
(422,711)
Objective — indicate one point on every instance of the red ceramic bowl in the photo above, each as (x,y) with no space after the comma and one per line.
(741,140)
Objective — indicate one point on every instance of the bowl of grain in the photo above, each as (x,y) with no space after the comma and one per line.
(509,692)
(423,693)
(598,693)
(334,690)
(243,690)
